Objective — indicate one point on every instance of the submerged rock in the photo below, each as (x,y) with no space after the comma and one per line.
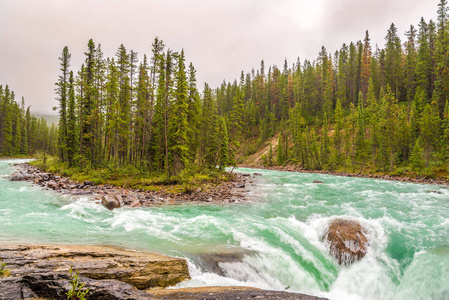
(212,261)
(110,201)
(346,241)
(317,181)
(109,273)
(257,174)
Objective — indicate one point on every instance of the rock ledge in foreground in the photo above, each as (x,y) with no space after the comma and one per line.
(228,293)
(110,273)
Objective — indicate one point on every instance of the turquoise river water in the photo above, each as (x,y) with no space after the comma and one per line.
(278,234)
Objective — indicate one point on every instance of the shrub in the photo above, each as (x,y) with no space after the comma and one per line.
(4,272)
(77,292)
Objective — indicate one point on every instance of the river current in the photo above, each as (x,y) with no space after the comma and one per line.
(273,242)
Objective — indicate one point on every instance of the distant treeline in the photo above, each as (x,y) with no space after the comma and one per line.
(118,112)
(356,108)
(22,134)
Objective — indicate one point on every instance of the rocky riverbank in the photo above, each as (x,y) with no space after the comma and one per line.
(111,196)
(291,168)
(42,271)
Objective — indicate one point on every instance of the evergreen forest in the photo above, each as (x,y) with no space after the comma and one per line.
(360,109)
(21,133)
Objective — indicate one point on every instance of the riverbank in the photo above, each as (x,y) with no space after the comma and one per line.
(232,191)
(296,169)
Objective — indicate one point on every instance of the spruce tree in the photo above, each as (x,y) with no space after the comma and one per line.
(179,126)
(62,92)
(71,138)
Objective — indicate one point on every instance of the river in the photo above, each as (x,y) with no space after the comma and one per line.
(274,242)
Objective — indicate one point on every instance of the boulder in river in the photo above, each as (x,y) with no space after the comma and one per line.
(346,240)
(317,181)
(17,178)
(110,201)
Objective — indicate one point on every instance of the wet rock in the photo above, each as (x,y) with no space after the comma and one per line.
(110,201)
(17,178)
(257,174)
(434,192)
(135,203)
(52,184)
(212,261)
(12,288)
(82,193)
(55,286)
(240,185)
(110,273)
(317,181)
(228,293)
(346,240)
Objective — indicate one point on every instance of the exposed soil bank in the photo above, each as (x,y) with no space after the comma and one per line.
(291,168)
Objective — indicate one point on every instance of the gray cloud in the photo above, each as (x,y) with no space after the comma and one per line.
(220,37)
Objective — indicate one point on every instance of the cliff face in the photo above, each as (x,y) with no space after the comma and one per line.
(110,273)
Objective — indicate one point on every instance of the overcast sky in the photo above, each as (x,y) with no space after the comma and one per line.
(220,37)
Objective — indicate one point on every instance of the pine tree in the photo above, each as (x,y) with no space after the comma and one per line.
(88,104)
(223,156)
(71,138)
(423,62)
(124,102)
(410,64)
(445,136)
(193,113)
(280,151)
(6,147)
(366,65)
(393,61)
(416,158)
(179,122)
(430,124)
(62,92)
(24,133)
